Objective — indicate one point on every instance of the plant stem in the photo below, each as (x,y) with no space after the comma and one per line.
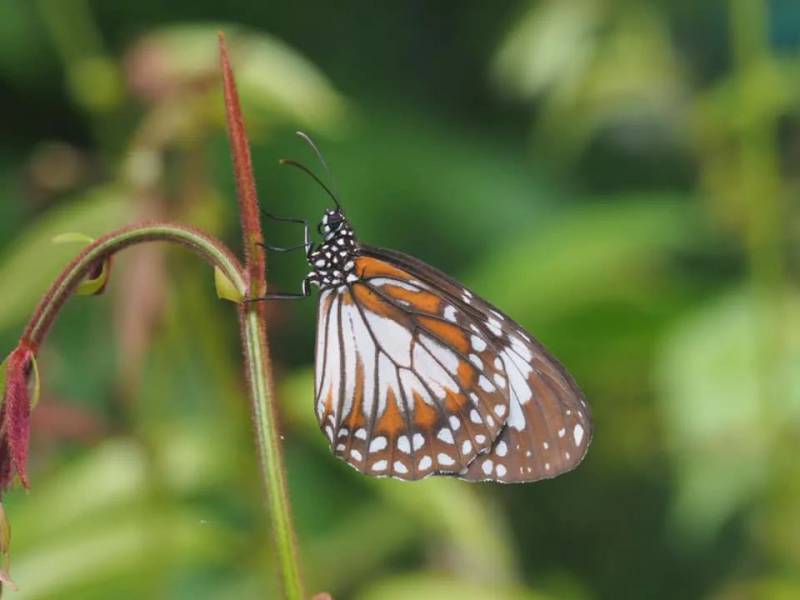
(256,348)
(269,449)
(209,248)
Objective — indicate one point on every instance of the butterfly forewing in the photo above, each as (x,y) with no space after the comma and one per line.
(548,426)
(407,385)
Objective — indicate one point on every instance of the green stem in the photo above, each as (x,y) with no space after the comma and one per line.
(269,449)
(206,246)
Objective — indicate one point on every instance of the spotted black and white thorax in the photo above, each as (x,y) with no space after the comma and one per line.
(333,261)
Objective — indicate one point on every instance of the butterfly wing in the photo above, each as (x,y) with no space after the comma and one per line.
(548,428)
(406,385)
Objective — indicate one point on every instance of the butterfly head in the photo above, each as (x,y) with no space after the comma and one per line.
(334,224)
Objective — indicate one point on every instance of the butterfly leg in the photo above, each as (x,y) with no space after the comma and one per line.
(305,292)
(306,237)
(282,249)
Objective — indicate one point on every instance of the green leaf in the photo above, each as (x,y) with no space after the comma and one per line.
(225,288)
(91,285)
(71,237)
(95,285)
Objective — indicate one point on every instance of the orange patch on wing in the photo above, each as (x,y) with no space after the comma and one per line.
(356,417)
(328,402)
(424,414)
(454,402)
(448,334)
(391,421)
(367,267)
(421,301)
(372,302)
(466,374)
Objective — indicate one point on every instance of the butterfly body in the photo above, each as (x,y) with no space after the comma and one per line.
(418,376)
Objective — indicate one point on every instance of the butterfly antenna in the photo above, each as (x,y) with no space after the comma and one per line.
(310,173)
(307,139)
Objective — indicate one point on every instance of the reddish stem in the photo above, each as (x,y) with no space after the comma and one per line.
(255,261)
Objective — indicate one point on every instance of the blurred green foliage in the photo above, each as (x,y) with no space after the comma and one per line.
(617,175)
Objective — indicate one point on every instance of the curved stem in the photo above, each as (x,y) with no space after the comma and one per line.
(209,248)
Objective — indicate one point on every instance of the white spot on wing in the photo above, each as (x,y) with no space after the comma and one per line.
(380,465)
(445,459)
(501,448)
(425,463)
(445,435)
(378,444)
(418,440)
(477,343)
(486,467)
(450,313)
(494,326)
(475,360)
(382,281)
(400,467)
(485,384)
(403,445)
(520,348)
(577,434)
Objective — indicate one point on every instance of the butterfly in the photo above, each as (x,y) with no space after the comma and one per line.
(416,375)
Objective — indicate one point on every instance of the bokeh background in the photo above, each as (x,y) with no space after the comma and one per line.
(621,177)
